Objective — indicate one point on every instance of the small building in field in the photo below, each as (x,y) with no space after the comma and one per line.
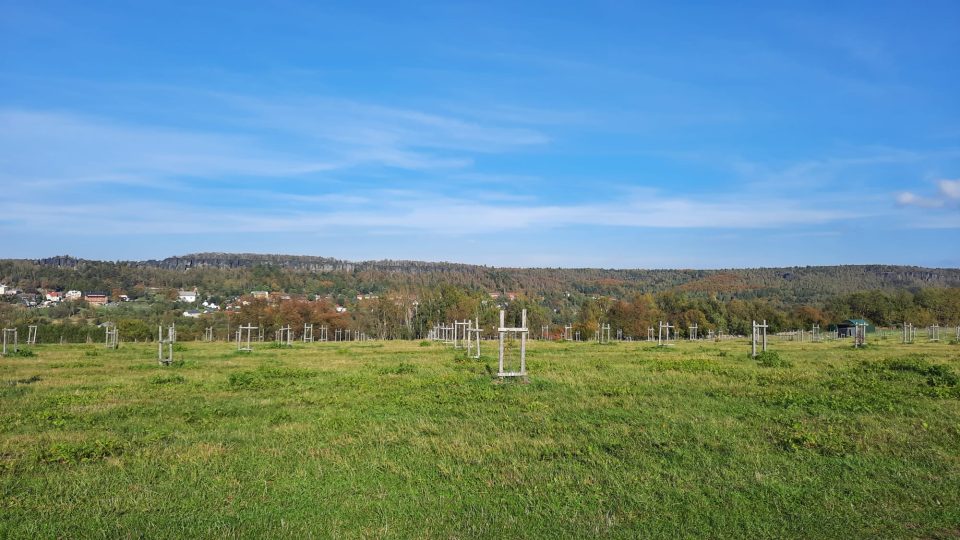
(97,298)
(846,328)
(187,296)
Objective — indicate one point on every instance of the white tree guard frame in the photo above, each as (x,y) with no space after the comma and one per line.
(169,340)
(246,331)
(307,333)
(9,333)
(110,337)
(503,330)
(759,334)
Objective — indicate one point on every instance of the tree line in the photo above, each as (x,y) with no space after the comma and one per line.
(411,313)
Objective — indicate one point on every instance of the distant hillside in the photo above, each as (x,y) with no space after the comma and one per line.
(250,260)
(238,272)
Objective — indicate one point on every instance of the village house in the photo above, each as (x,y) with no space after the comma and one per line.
(73,295)
(97,298)
(53,296)
(8,290)
(187,296)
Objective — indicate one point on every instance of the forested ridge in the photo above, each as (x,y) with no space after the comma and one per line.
(404,299)
(234,274)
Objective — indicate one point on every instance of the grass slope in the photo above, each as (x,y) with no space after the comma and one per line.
(397,439)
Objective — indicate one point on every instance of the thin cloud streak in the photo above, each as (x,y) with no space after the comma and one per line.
(441,216)
(56,147)
(908,198)
(52,146)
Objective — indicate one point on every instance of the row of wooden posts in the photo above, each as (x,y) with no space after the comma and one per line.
(465,334)
(283,336)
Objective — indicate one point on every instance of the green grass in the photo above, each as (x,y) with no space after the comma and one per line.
(402,440)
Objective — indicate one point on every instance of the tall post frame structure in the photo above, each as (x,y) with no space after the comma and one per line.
(504,331)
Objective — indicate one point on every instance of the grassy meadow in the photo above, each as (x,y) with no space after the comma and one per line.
(411,439)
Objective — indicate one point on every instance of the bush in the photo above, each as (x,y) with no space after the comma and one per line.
(135,330)
(940,380)
(771,359)
(936,374)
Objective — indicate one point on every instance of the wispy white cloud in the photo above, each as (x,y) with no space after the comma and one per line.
(822,171)
(277,138)
(405,211)
(370,131)
(947,196)
(57,147)
(950,189)
(907,198)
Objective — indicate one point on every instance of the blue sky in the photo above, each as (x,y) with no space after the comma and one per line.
(602,134)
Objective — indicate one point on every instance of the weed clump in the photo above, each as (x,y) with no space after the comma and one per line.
(402,368)
(940,379)
(772,359)
(22,353)
(266,377)
(172,378)
(281,417)
(16,388)
(424,343)
(77,364)
(80,452)
(829,440)
(29,380)
(242,379)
